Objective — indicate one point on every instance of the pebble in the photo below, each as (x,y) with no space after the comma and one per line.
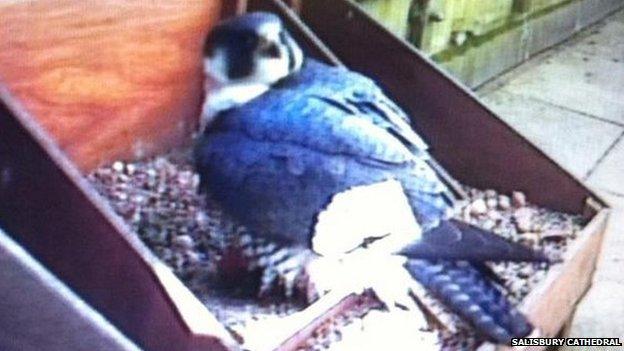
(118,166)
(498,268)
(138,198)
(525,271)
(539,275)
(531,239)
(193,257)
(492,202)
(184,241)
(478,207)
(518,199)
(466,216)
(495,215)
(490,194)
(202,219)
(488,224)
(524,219)
(504,202)
(166,254)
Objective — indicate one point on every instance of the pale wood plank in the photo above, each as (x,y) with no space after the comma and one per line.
(109,79)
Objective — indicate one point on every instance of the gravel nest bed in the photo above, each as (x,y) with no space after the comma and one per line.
(159,201)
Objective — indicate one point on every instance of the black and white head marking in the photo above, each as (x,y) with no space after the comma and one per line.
(243,57)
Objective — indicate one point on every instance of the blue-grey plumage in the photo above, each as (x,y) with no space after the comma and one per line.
(307,139)
(301,142)
(275,159)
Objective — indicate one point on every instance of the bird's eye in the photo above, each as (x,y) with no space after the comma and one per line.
(271,50)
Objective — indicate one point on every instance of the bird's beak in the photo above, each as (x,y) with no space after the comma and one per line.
(264,43)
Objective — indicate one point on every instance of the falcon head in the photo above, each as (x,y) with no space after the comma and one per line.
(254,48)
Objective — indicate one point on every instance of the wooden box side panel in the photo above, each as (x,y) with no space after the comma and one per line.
(552,303)
(108,79)
(51,210)
(70,324)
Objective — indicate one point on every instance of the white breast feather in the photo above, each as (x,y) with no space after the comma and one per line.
(355,216)
(220,98)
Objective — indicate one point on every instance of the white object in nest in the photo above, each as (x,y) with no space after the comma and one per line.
(221,97)
(357,235)
(378,214)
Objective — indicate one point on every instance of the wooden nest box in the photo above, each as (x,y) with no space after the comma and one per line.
(87,83)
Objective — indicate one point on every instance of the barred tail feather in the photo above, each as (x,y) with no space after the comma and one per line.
(467,293)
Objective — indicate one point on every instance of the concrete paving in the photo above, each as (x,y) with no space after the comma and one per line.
(567,136)
(569,100)
(609,174)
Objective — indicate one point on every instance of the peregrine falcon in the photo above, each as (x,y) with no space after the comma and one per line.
(286,140)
